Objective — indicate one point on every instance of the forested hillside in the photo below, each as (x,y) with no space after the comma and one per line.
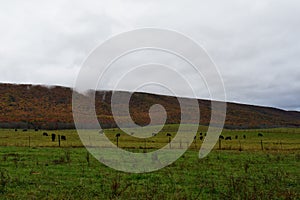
(28,106)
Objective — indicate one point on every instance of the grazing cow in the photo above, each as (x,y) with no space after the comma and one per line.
(45,134)
(63,137)
(228,138)
(53,137)
(118,135)
(201,138)
(169,135)
(16,129)
(260,135)
(221,137)
(36,129)
(24,130)
(244,136)
(200,133)
(236,137)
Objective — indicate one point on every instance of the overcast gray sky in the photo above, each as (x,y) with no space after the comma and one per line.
(254,43)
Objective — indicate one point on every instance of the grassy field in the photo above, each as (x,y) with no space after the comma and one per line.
(273,139)
(37,168)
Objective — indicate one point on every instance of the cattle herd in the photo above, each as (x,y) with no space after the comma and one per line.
(221,137)
(201,137)
(53,135)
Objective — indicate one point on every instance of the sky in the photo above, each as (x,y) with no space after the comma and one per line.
(254,43)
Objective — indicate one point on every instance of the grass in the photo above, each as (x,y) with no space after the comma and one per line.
(273,139)
(69,172)
(35,173)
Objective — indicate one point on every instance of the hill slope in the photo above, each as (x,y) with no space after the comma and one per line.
(51,108)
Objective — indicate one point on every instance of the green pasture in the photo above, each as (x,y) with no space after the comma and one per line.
(71,173)
(267,167)
(279,139)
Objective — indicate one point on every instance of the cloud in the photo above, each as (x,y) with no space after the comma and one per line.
(254,42)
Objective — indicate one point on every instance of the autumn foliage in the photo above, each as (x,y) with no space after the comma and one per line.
(30,106)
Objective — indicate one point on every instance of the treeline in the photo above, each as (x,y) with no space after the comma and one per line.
(48,126)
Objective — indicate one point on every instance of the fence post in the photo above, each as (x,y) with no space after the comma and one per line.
(59,140)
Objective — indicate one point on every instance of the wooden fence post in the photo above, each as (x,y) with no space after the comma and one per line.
(59,140)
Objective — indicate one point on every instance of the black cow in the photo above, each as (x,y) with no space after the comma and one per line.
(24,130)
(228,138)
(63,137)
(45,134)
(200,133)
(236,137)
(244,136)
(16,129)
(221,137)
(53,136)
(36,129)
(201,138)
(260,135)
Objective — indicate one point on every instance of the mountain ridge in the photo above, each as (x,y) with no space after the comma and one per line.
(50,107)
